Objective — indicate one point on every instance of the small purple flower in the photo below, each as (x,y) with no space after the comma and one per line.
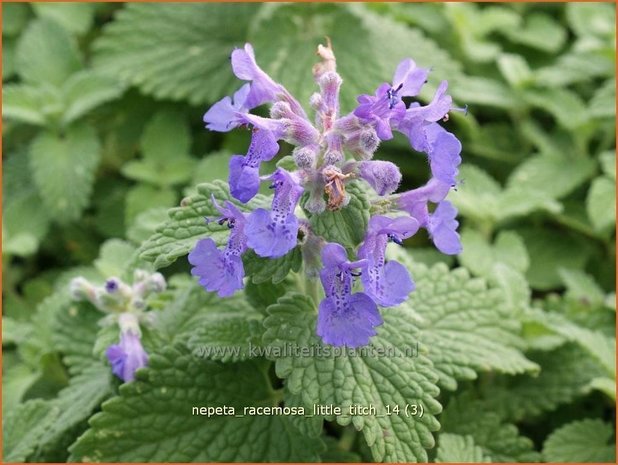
(244,176)
(380,108)
(111,285)
(224,115)
(127,357)
(344,319)
(383,176)
(274,233)
(385,107)
(263,87)
(387,283)
(442,227)
(222,270)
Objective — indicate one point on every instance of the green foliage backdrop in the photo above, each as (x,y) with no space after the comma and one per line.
(102,135)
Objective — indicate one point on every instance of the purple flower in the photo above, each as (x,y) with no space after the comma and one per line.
(263,87)
(442,227)
(344,319)
(380,108)
(387,283)
(224,115)
(274,233)
(222,270)
(127,356)
(385,106)
(244,176)
(383,176)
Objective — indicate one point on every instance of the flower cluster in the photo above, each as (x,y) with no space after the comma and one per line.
(328,153)
(124,306)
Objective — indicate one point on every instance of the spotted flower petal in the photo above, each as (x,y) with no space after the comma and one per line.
(344,318)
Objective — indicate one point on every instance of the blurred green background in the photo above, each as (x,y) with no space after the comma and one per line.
(102,133)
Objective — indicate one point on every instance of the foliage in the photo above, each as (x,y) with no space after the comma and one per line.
(107,168)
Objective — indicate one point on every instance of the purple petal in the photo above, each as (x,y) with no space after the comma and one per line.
(263,88)
(218,271)
(442,227)
(244,180)
(389,285)
(271,237)
(444,150)
(127,357)
(410,77)
(349,324)
(223,116)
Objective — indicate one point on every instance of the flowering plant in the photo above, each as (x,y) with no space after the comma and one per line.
(336,151)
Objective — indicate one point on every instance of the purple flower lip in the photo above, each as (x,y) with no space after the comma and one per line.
(127,356)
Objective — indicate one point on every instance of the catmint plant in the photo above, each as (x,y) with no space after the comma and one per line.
(330,152)
(125,306)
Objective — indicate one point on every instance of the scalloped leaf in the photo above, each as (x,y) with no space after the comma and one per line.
(165,395)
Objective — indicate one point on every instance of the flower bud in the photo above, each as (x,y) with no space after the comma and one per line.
(304,157)
(383,176)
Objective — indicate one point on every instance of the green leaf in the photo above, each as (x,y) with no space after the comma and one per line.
(23,428)
(553,174)
(601,203)
(190,308)
(191,59)
(360,378)
(75,404)
(565,375)
(213,166)
(46,54)
(575,67)
(174,170)
(14,18)
(25,222)
(483,91)
(603,102)
(75,329)
(581,286)
(589,440)
(515,69)
(74,17)
(564,105)
(480,257)
(608,163)
(592,18)
(63,168)
(114,257)
(275,270)
(228,337)
(166,136)
(28,104)
(346,226)
(143,197)
(146,223)
(540,31)
(289,55)
(186,225)
(86,90)
(464,326)
(8,59)
(499,440)
(166,394)
(548,255)
(481,198)
(457,448)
